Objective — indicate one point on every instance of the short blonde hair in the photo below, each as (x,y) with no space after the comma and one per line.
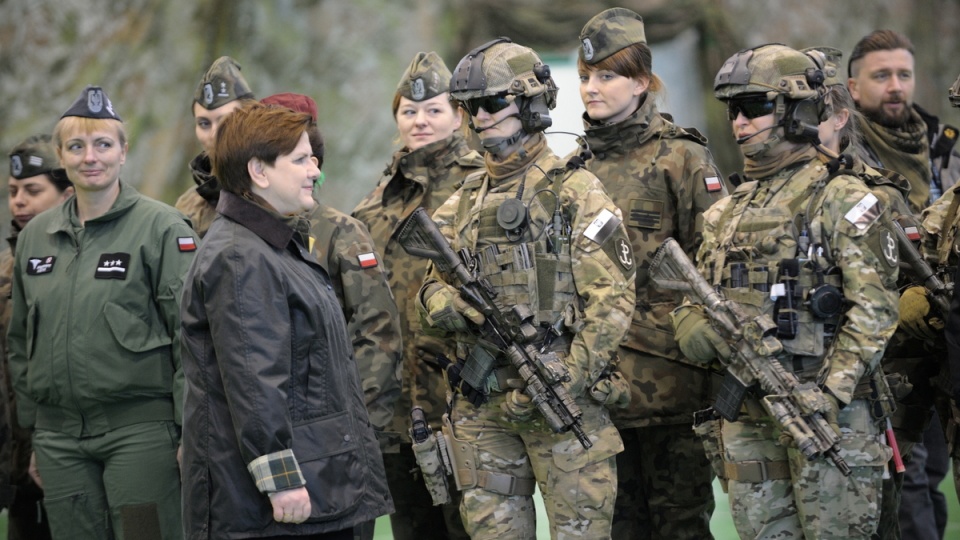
(69,125)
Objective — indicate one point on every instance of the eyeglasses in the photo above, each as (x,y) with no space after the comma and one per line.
(750,108)
(491,104)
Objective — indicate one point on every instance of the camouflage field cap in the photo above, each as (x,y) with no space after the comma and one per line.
(92,103)
(502,67)
(221,84)
(425,78)
(769,69)
(608,32)
(955,93)
(828,58)
(34,156)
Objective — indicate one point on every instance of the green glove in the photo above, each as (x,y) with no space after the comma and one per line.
(612,391)
(916,316)
(518,406)
(446,309)
(831,411)
(697,339)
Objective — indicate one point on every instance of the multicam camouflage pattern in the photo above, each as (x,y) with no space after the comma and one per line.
(426,77)
(608,32)
(577,485)
(662,178)
(344,249)
(817,501)
(221,84)
(605,285)
(199,203)
(767,69)
(759,225)
(425,177)
(506,67)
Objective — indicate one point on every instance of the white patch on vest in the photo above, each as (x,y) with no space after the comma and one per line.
(864,212)
(777,290)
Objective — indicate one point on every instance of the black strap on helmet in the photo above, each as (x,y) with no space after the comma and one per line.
(468,74)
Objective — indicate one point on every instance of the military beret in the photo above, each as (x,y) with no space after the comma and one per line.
(92,103)
(34,156)
(608,32)
(221,84)
(297,102)
(425,78)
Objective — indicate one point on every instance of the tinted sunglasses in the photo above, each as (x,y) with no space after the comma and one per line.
(750,108)
(491,104)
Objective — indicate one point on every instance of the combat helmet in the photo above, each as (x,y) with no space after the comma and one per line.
(504,68)
(791,80)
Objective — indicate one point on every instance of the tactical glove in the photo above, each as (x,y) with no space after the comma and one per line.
(696,337)
(446,309)
(611,391)
(474,396)
(917,318)
(518,405)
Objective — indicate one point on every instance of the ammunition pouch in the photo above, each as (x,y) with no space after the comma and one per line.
(464,459)
(706,425)
(479,364)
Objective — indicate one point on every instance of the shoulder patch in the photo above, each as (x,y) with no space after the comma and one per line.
(713,184)
(624,252)
(602,226)
(367,260)
(186,243)
(888,246)
(864,212)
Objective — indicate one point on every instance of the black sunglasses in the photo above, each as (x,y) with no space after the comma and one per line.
(750,108)
(491,104)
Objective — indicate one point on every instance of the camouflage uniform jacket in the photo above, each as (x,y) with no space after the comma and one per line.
(662,177)
(199,203)
(761,224)
(602,273)
(345,250)
(425,177)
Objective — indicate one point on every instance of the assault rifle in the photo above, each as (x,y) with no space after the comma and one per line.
(509,330)
(921,272)
(797,408)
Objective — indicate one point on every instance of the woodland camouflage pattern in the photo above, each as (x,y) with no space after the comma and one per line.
(373,325)
(657,174)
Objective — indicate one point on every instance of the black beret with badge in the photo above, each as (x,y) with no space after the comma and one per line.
(221,84)
(34,156)
(93,103)
(608,32)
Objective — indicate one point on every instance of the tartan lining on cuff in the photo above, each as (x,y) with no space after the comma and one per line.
(278,471)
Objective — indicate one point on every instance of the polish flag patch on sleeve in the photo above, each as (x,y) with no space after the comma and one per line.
(186,243)
(367,260)
(912,233)
(713,184)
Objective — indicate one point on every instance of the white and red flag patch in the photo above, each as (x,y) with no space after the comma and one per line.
(186,243)
(367,260)
(713,183)
(912,233)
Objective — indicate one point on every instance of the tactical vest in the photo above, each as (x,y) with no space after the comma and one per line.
(532,268)
(770,258)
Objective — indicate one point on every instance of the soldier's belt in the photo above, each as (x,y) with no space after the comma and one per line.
(754,472)
(503,484)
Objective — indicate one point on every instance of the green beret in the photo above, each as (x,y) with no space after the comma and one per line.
(221,84)
(34,156)
(608,32)
(92,103)
(425,78)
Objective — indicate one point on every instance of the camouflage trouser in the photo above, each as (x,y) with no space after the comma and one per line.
(415,517)
(805,498)
(578,486)
(664,485)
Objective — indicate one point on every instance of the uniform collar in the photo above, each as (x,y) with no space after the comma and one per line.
(68,218)
(264,223)
(635,129)
(419,165)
